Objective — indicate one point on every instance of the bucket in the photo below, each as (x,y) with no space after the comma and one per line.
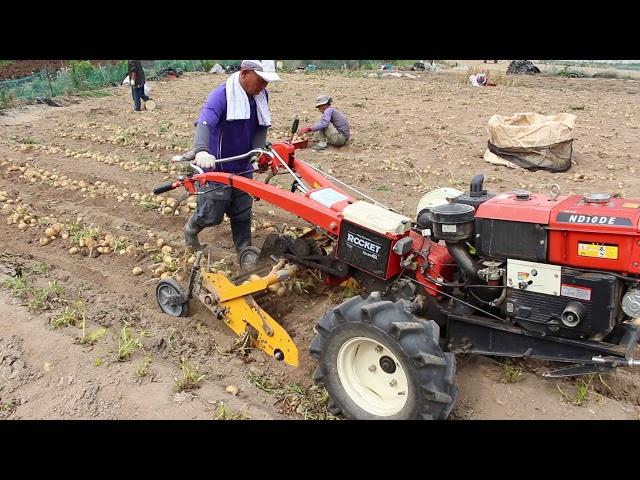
(150,105)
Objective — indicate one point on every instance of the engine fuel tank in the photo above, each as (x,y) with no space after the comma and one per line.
(596,232)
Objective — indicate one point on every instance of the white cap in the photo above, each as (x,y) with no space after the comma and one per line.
(322,100)
(259,68)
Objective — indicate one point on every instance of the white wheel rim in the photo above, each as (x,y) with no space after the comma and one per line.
(360,364)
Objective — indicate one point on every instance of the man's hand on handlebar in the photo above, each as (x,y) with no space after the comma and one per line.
(205,160)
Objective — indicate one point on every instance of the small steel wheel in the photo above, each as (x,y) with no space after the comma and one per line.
(179,202)
(248,258)
(172,298)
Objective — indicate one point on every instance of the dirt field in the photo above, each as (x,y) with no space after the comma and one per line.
(88,166)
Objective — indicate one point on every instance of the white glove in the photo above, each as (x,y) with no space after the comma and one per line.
(132,83)
(205,160)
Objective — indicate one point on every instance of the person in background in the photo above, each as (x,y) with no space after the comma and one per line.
(333,127)
(136,80)
(481,80)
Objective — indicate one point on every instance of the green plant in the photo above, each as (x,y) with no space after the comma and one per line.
(41,268)
(223,413)
(55,288)
(38,301)
(29,141)
(80,70)
(148,203)
(94,93)
(190,378)
(78,232)
(69,316)
(127,344)
(98,361)
(8,406)
(311,403)
(164,126)
(299,286)
(582,391)
(92,337)
(143,368)
(565,72)
(19,286)
(120,245)
(511,373)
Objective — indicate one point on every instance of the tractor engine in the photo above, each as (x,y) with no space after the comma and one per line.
(566,266)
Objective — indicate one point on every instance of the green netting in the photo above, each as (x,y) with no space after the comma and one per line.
(82,77)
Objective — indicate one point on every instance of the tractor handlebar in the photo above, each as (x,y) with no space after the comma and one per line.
(166,187)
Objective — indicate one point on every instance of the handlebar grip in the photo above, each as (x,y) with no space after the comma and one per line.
(165,187)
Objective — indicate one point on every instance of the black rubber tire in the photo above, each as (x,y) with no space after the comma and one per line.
(430,372)
(167,287)
(245,258)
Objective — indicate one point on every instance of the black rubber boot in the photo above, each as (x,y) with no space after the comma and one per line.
(191,231)
(241,232)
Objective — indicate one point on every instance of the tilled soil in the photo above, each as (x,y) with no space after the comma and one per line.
(91,165)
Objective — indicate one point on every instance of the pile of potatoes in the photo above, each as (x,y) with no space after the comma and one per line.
(22,215)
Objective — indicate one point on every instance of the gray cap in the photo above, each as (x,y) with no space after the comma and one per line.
(323,100)
(258,67)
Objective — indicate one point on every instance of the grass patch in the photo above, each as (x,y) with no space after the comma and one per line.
(94,93)
(38,298)
(143,368)
(310,403)
(190,379)
(55,288)
(41,268)
(29,141)
(127,344)
(8,406)
(224,413)
(582,391)
(568,73)
(148,202)
(69,316)
(164,126)
(18,286)
(79,234)
(511,373)
(93,337)
(121,245)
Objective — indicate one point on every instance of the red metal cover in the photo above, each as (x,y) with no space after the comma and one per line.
(536,209)
(602,236)
(618,215)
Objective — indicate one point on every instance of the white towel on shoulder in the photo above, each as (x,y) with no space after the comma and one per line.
(238,102)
